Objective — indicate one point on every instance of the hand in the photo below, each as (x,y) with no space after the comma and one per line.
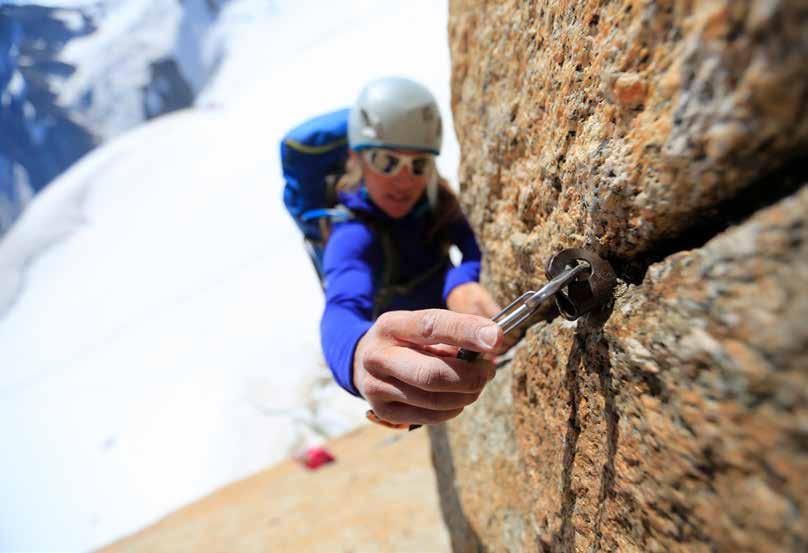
(472,298)
(406,365)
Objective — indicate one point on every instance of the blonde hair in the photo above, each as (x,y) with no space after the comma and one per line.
(445,211)
(352,177)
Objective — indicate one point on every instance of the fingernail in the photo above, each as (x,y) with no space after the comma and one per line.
(488,335)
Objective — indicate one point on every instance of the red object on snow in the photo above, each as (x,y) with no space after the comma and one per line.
(315,457)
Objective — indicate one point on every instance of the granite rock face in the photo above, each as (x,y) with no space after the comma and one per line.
(682,423)
(480,447)
(619,125)
(679,424)
(670,138)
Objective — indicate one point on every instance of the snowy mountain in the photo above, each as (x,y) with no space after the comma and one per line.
(75,73)
(125,68)
(158,315)
(38,138)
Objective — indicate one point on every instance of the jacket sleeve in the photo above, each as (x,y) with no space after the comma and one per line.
(348,266)
(462,236)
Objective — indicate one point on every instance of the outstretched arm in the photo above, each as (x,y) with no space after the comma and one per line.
(405,363)
(348,267)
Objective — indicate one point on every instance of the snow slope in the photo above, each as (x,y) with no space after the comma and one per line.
(158,316)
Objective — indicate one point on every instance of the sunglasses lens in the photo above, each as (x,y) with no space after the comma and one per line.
(390,164)
(385,162)
(420,165)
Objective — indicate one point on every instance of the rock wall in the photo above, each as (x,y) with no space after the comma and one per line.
(671,138)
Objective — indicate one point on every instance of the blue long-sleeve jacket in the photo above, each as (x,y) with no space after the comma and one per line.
(353,260)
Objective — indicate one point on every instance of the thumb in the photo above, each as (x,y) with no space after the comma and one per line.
(440,326)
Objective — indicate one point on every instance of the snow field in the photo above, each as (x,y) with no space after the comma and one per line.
(158,315)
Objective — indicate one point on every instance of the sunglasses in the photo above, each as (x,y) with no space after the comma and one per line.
(390,164)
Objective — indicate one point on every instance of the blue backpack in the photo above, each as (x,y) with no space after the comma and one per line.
(313,157)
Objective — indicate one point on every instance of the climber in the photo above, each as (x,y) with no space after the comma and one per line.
(377,220)
(396,309)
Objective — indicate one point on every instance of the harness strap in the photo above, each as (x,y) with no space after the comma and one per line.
(386,293)
(387,287)
(389,270)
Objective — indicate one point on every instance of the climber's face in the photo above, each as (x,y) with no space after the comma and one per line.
(396,179)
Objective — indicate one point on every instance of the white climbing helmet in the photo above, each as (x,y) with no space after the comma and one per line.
(394,112)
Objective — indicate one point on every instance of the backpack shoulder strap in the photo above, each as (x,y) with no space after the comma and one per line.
(315,247)
(384,292)
(389,287)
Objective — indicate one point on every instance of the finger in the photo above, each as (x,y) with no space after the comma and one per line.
(441,350)
(400,413)
(440,326)
(396,391)
(488,306)
(428,372)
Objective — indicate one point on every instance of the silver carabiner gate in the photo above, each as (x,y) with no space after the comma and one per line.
(523,307)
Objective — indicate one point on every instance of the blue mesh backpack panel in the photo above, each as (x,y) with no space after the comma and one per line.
(310,153)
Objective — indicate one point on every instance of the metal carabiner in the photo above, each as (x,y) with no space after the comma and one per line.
(523,307)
